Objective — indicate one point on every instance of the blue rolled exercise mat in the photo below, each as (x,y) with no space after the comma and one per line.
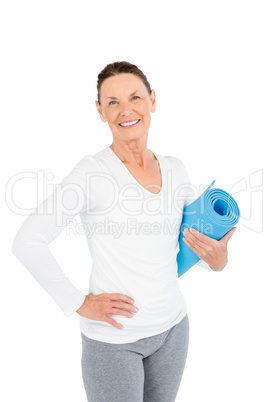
(214,213)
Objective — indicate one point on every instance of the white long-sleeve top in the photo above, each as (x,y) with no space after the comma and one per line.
(132,235)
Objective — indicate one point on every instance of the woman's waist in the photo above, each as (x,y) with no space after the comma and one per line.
(152,317)
(149,320)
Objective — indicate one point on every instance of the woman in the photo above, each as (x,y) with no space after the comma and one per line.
(134,323)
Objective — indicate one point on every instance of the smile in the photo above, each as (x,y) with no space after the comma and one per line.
(130,124)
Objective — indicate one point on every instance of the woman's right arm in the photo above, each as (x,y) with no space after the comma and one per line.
(41,227)
(48,220)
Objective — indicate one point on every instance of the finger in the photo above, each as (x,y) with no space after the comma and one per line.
(130,307)
(120,296)
(200,236)
(228,235)
(114,323)
(193,246)
(197,250)
(195,239)
(118,311)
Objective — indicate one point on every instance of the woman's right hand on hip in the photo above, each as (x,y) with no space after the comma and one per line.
(99,307)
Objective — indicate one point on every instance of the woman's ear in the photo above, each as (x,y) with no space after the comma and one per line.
(99,109)
(153,100)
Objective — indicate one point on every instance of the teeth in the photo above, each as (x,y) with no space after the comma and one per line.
(129,124)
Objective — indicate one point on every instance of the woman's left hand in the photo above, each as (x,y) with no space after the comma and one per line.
(213,252)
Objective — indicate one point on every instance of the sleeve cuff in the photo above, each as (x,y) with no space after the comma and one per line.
(205,265)
(71,309)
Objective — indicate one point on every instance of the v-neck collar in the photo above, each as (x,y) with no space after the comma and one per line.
(133,178)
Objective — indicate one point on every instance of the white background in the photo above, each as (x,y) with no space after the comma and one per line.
(207,61)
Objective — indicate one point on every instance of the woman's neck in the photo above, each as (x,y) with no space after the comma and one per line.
(133,155)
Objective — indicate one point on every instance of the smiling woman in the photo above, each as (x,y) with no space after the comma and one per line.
(133,320)
(130,108)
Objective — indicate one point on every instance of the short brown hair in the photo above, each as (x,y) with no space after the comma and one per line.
(120,67)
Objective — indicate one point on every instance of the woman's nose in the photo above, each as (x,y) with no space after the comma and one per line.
(126,108)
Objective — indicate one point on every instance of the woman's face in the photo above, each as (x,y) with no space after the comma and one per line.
(125,98)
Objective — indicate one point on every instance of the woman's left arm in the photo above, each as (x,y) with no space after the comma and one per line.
(211,251)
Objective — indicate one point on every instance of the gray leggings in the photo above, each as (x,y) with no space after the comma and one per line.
(148,370)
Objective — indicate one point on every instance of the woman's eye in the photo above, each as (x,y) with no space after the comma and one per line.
(111,103)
